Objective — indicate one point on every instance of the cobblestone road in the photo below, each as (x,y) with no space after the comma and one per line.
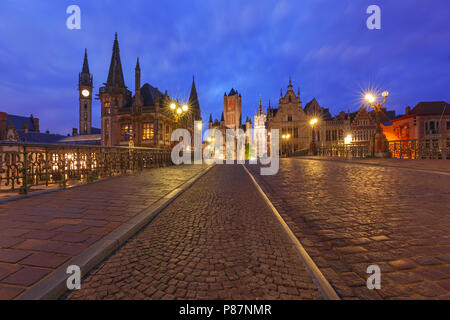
(218,240)
(40,234)
(350,216)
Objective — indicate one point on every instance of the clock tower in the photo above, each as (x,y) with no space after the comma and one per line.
(85,90)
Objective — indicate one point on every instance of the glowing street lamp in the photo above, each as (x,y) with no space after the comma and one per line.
(312,146)
(380,142)
(286,138)
(348,139)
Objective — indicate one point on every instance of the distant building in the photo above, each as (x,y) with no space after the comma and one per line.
(144,119)
(231,118)
(290,118)
(260,133)
(427,120)
(24,129)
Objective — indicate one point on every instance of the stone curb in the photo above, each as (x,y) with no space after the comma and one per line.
(376,164)
(319,279)
(54,286)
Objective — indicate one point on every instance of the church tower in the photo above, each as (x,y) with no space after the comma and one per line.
(232,104)
(114,95)
(85,90)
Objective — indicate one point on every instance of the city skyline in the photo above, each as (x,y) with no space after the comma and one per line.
(266,43)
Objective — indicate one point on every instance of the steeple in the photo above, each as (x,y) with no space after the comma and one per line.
(290,84)
(137,84)
(85,63)
(115,75)
(193,98)
(210,118)
(85,78)
(85,97)
(222,118)
(260,110)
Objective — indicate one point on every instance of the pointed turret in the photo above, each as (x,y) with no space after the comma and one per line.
(115,75)
(137,84)
(210,118)
(193,98)
(85,78)
(85,63)
(222,118)
(260,109)
(290,84)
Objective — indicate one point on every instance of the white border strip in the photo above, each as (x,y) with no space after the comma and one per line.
(322,283)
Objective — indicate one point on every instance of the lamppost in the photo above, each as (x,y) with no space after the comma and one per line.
(312,146)
(380,141)
(178,111)
(286,138)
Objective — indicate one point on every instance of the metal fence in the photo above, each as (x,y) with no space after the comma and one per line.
(436,148)
(344,150)
(23,166)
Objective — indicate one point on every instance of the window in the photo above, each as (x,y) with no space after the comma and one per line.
(85,116)
(107,108)
(85,106)
(167,138)
(448,125)
(147,131)
(295,132)
(126,130)
(289,117)
(432,127)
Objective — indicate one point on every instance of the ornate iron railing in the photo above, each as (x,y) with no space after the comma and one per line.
(344,150)
(434,148)
(23,166)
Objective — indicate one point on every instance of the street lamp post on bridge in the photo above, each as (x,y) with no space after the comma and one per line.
(380,141)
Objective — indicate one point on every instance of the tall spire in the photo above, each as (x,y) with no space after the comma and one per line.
(115,75)
(85,63)
(210,117)
(260,110)
(193,98)
(138,67)
(137,84)
(290,84)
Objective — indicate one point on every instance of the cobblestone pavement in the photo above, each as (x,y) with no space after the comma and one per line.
(41,233)
(218,240)
(349,216)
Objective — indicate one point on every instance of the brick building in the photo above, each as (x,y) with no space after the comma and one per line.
(427,120)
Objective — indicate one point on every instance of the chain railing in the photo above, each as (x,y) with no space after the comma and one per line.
(435,148)
(360,150)
(24,166)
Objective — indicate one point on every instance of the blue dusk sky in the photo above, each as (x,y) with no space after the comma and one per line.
(251,45)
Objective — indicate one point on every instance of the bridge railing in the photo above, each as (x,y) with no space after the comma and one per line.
(433,148)
(27,165)
(360,150)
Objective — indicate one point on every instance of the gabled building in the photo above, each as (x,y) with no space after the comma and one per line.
(290,119)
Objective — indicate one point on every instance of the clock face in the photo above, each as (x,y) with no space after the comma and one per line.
(85,93)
